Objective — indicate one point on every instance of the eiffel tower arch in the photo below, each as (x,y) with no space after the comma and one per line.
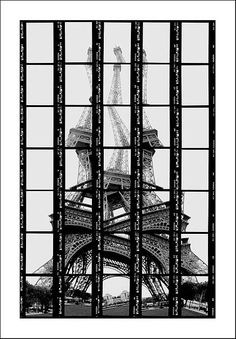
(155,212)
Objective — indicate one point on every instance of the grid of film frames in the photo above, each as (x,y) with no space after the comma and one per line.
(117,169)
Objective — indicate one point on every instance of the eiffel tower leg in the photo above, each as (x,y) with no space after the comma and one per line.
(74,196)
(150,198)
(84,266)
(155,287)
(75,267)
(148,172)
(107,212)
(125,197)
(84,166)
(82,283)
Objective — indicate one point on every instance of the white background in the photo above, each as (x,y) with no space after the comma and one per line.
(223,325)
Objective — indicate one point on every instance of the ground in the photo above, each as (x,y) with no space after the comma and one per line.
(123,310)
(119,311)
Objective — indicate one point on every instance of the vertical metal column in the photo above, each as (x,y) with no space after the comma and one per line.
(175,170)
(59,168)
(211,221)
(97,167)
(22,167)
(136,170)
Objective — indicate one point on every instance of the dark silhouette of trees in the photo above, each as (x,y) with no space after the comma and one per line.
(195,291)
(40,295)
(81,295)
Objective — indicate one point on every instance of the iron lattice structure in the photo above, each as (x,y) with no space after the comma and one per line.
(78,213)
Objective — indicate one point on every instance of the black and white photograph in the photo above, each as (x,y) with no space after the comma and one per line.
(118,169)
(118,197)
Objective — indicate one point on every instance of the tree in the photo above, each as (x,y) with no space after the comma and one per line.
(195,291)
(203,291)
(45,297)
(81,294)
(188,290)
(31,297)
(38,294)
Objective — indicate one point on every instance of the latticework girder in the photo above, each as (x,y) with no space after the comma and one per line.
(118,53)
(120,131)
(85,120)
(155,287)
(88,66)
(79,282)
(119,158)
(151,198)
(145,70)
(80,264)
(119,161)
(149,267)
(155,259)
(74,196)
(115,96)
(115,200)
(125,198)
(84,166)
(148,171)
(106,207)
(146,123)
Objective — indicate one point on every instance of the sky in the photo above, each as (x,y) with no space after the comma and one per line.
(39,250)
(39,169)
(156,37)
(39,119)
(78,38)
(196,206)
(199,245)
(117,34)
(39,42)
(40,204)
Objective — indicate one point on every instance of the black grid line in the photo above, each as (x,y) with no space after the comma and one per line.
(22,168)
(59,168)
(136,169)
(97,169)
(175,169)
(211,223)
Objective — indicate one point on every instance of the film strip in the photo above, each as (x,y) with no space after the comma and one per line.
(136,168)
(175,169)
(59,169)
(70,282)
(211,236)
(22,167)
(97,145)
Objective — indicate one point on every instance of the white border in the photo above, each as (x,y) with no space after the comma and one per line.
(223,325)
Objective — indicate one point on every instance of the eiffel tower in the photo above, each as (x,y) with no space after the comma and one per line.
(78,213)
